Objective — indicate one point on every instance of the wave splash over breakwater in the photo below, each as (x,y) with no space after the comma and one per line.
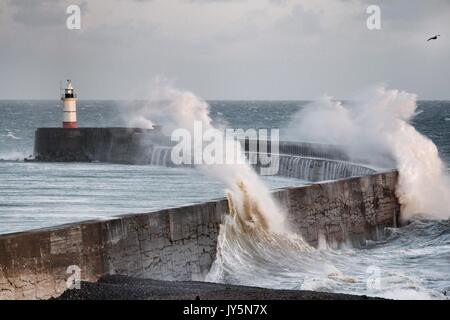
(251,202)
(255,223)
(377,129)
(256,246)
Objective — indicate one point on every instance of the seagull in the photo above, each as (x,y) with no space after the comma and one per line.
(434,38)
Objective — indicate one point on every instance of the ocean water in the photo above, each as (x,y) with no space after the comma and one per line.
(35,195)
(409,262)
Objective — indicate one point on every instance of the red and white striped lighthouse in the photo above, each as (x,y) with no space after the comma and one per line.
(70,106)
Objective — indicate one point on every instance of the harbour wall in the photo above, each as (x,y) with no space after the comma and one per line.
(300,160)
(180,243)
(136,145)
(115,145)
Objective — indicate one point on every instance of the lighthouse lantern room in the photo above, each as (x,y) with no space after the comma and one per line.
(69,99)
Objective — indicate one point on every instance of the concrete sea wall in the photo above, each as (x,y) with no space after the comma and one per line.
(301,160)
(180,243)
(116,145)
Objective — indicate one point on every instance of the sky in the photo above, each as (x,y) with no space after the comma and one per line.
(224,49)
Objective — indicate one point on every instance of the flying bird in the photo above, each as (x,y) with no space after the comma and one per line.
(434,38)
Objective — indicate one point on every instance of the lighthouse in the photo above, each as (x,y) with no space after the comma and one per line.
(69,99)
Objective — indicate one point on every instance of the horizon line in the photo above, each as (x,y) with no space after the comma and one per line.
(215,99)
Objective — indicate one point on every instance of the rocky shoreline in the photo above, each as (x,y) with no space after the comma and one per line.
(119,287)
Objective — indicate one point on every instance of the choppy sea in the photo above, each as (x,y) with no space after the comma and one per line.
(412,262)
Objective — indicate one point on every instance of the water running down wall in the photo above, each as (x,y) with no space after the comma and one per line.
(301,160)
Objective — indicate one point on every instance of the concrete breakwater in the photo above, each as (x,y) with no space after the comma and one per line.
(301,160)
(180,243)
(136,145)
(115,145)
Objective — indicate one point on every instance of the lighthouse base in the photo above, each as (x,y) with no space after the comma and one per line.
(70,125)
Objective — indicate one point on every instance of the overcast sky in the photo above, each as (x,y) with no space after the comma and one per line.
(224,49)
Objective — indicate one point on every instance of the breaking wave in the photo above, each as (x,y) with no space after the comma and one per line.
(396,266)
(377,129)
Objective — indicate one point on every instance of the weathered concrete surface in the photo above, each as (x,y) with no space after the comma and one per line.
(33,264)
(180,243)
(348,209)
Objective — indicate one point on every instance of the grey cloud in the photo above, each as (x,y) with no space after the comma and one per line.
(280,49)
(42,12)
(302,22)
